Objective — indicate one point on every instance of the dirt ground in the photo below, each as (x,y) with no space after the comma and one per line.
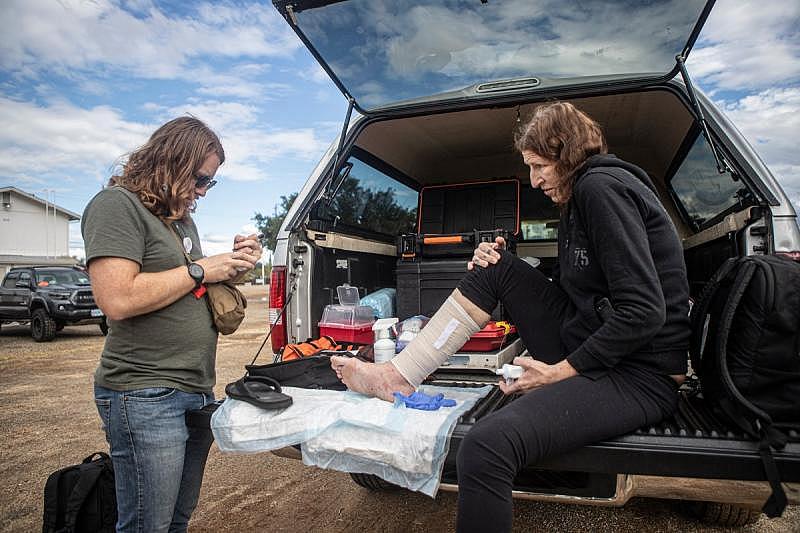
(48,421)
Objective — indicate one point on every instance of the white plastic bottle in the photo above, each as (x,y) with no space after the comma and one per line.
(511,373)
(384,345)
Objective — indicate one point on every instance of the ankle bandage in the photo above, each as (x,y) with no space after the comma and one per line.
(447,331)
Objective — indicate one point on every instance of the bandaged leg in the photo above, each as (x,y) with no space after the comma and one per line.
(446,332)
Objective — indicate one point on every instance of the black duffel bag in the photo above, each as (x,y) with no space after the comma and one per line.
(312,372)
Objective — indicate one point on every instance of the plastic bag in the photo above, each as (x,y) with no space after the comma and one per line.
(350,432)
(244,428)
(407,330)
(381,301)
(406,447)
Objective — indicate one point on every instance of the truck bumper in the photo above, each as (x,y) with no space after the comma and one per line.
(75,315)
(751,494)
(745,493)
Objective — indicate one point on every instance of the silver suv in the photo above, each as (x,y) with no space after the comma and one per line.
(437,88)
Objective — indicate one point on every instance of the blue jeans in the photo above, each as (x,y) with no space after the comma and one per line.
(158,460)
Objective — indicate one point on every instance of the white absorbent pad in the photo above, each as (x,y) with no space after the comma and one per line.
(241,427)
(350,432)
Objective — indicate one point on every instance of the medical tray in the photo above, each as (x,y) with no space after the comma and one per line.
(488,361)
(492,337)
(348,322)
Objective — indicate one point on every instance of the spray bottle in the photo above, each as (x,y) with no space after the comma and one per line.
(384,345)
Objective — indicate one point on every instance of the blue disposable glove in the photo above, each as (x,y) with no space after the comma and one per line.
(424,402)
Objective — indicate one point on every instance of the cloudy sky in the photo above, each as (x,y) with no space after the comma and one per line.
(84,82)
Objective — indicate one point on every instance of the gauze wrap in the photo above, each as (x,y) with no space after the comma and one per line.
(446,332)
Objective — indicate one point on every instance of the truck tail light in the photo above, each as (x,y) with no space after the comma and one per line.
(277,299)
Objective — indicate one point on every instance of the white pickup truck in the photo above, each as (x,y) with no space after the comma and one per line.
(436,90)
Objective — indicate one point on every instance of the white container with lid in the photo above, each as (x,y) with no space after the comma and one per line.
(383,348)
(347,312)
(347,295)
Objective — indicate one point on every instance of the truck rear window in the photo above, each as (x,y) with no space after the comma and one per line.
(538,216)
(704,194)
(371,200)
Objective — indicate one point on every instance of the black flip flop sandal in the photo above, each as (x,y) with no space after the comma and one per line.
(260,391)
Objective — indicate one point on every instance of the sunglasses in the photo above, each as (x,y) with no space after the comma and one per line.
(204,182)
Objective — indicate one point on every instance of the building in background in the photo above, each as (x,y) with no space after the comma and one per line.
(33,231)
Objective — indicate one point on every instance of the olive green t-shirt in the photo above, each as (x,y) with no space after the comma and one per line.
(174,346)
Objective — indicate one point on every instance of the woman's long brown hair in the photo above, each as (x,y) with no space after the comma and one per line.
(163,171)
(561,132)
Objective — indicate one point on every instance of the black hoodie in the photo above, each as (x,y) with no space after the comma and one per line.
(621,263)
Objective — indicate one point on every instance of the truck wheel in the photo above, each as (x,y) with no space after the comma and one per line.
(104,326)
(723,514)
(372,482)
(43,327)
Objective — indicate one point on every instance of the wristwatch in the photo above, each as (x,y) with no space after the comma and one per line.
(197,273)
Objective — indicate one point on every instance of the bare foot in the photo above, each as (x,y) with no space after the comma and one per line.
(378,380)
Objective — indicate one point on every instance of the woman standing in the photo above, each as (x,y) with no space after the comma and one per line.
(608,335)
(158,359)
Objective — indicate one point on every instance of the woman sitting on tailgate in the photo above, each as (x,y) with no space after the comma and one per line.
(608,334)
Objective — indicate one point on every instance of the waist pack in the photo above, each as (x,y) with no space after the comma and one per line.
(745,347)
(227,305)
(81,498)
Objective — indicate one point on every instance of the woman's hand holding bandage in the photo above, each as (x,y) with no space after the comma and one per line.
(486,253)
(537,374)
(249,245)
(225,266)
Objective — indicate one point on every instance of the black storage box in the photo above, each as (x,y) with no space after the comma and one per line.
(454,219)
(411,246)
(424,285)
(461,208)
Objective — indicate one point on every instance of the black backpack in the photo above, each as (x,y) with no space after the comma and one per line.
(81,498)
(745,347)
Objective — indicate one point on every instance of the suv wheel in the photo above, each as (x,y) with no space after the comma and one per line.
(43,327)
(373,482)
(104,326)
(723,514)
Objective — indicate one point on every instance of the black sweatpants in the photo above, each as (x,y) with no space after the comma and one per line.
(550,420)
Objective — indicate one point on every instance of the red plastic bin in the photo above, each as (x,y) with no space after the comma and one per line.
(490,338)
(343,333)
